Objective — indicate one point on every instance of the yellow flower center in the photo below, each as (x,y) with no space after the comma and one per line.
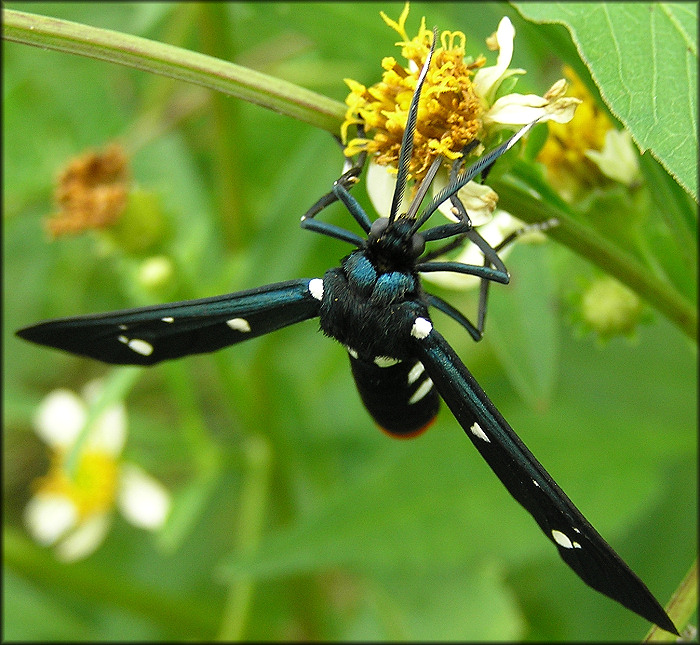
(449,110)
(92,489)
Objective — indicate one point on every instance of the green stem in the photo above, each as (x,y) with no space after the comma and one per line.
(203,447)
(114,390)
(518,199)
(234,218)
(252,512)
(683,605)
(174,62)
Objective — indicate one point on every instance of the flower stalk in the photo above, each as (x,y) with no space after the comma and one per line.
(174,62)
(519,197)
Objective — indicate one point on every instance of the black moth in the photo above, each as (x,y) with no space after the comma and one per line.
(375,306)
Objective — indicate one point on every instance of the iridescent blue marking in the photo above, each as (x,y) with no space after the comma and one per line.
(392,286)
(361,272)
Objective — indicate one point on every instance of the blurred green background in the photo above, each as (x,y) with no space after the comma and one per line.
(339,532)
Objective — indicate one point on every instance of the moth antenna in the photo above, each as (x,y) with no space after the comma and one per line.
(408,133)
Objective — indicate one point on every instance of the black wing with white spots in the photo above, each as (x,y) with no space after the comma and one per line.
(579,544)
(148,335)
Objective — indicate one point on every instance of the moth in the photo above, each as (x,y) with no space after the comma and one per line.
(374,304)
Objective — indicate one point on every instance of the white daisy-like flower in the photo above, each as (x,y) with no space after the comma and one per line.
(72,508)
(459,103)
(459,106)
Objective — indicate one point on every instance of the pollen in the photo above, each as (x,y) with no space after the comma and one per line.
(449,112)
(91,488)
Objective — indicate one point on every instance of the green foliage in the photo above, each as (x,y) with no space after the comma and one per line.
(643,57)
(293,516)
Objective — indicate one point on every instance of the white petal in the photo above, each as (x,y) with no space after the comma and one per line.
(517,109)
(562,110)
(83,541)
(143,501)
(380,187)
(557,91)
(480,202)
(109,431)
(49,516)
(617,160)
(59,418)
(487,79)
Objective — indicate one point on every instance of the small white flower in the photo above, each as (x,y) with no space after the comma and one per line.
(72,511)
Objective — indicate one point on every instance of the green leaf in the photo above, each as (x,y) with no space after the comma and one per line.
(643,58)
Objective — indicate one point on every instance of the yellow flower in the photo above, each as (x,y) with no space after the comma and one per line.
(587,151)
(72,509)
(449,112)
(459,105)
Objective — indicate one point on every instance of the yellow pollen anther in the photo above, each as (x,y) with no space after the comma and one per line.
(449,111)
(92,488)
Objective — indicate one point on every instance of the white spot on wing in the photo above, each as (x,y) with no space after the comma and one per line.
(316,288)
(238,324)
(478,432)
(352,352)
(421,328)
(123,327)
(123,339)
(385,361)
(422,390)
(140,346)
(168,319)
(564,541)
(415,372)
